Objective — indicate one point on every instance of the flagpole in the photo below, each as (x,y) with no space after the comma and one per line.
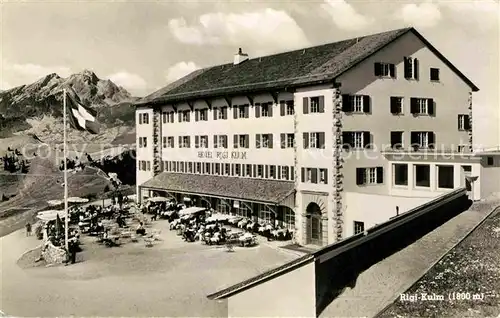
(65,175)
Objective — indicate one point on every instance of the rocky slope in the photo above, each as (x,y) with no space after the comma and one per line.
(37,108)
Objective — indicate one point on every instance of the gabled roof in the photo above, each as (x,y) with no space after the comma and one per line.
(255,190)
(308,66)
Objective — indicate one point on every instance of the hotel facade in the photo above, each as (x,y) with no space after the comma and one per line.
(327,141)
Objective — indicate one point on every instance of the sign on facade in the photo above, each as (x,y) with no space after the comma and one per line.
(222,154)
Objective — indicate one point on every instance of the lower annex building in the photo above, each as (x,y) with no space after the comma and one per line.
(326,141)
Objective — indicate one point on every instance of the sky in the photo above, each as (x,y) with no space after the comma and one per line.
(144,45)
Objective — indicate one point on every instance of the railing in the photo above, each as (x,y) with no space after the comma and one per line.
(430,149)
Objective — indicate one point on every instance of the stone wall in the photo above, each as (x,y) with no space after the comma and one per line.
(53,254)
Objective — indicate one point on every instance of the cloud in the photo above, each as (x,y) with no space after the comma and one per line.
(267,28)
(180,70)
(423,15)
(482,13)
(35,71)
(344,16)
(128,80)
(4,86)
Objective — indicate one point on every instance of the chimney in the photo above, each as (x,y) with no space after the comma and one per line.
(240,57)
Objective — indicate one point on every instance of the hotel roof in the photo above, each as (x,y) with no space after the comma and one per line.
(308,66)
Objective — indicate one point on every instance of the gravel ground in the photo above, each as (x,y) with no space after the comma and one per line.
(467,278)
(170,279)
(378,286)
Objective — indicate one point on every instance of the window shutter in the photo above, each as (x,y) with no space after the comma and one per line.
(321,104)
(197,141)
(394,107)
(257,141)
(467,122)
(292,173)
(270,107)
(282,108)
(458,121)
(378,69)
(196,115)
(326,176)
(306,140)
(366,104)
(278,174)
(321,143)
(214,111)
(224,111)
(415,69)
(408,68)
(188,116)
(180,116)
(303,174)
(380,175)
(266,171)
(366,139)
(233,172)
(414,138)
(413,105)
(430,106)
(314,175)
(392,70)
(235,112)
(394,138)
(305,105)
(140,120)
(360,176)
(247,141)
(247,108)
(346,139)
(346,103)
(235,141)
(180,141)
(189,141)
(225,141)
(270,142)
(215,141)
(257,110)
(283,141)
(431,138)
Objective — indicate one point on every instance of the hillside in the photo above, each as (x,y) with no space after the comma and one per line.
(37,108)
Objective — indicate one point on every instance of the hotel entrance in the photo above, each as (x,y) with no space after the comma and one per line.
(314,233)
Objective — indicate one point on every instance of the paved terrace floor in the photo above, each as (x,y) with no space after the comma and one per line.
(379,285)
(168,280)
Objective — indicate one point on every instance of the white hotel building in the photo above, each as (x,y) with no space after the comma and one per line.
(328,140)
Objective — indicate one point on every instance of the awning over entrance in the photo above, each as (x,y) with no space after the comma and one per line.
(257,190)
(191,210)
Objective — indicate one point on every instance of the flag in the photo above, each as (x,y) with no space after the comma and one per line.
(81,117)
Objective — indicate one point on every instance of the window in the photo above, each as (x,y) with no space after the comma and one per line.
(463,122)
(181,166)
(265,215)
(203,141)
(400,174)
(359,227)
(272,172)
(411,68)
(369,176)
(290,109)
(396,139)
(266,110)
(422,176)
(434,72)
(461,148)
(289,219)
(446,178)
(489,161)
(422,140)
(227,169)
(143,142)
(164,117)
(164,142)
(243,141)
(184,116)
(314,140)
(148,165)
(241,111)
(190,167)
(170,142)
(356,103)
(396,105)
(248,171)
(313,104)
(323,176)
(143,118)
(260,171)
(314,175)
(220,113)
(264,141)
(284,172)
(356,139)
(385,70)
(184,142)
(421,106)
(207,168)
(237,169)
(168,117)
(201,114)
(198,167)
